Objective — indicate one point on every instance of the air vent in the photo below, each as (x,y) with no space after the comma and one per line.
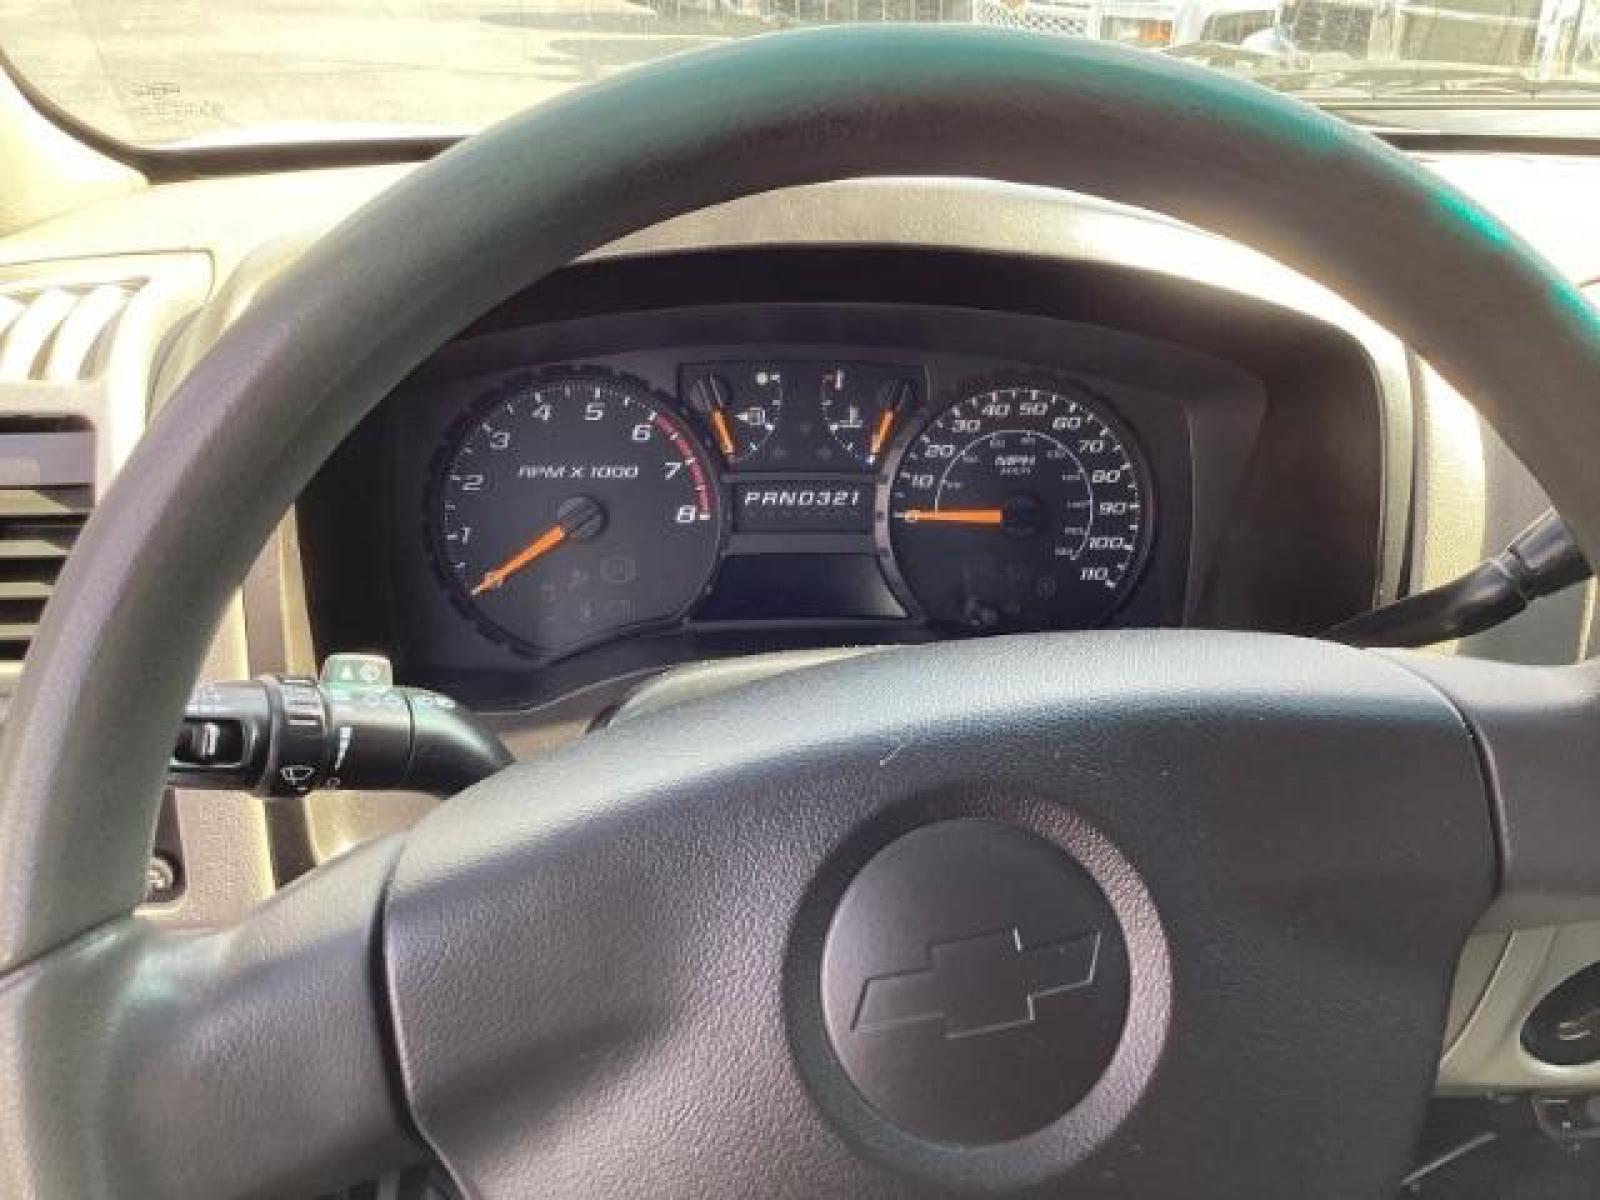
(59,334)
(80,350)
(46,493)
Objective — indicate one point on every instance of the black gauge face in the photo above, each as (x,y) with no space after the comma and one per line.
(1019,507)
(569,508)
(739,405)
(863,406)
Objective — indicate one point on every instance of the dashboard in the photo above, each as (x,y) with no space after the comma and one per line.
(1300,462)
(568,499)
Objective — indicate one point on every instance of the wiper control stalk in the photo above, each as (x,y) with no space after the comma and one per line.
(282,736)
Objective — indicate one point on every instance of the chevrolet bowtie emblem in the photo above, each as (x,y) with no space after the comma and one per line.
(977,985)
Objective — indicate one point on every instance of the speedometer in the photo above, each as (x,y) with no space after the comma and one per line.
(1017,507)
(569,508)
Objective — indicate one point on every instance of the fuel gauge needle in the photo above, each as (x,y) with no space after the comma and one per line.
(710,397)
(954,516)
(719,426)
(578,518)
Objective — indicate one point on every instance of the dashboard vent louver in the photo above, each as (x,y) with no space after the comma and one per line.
(81,346)
(59,334)
(46,494)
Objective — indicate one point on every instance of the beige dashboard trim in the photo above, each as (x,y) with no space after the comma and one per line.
(989,217)
(1484,1047)
(957,214)
(47,171)
(972,215)
(1451,487)
(226,851)
(1004,218)
(227,863)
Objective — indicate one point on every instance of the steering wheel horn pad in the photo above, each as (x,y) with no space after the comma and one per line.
(606,973)
(610,968)
(975,981)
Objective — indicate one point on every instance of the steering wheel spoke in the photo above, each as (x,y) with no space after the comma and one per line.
(1538,734)
(249,1061)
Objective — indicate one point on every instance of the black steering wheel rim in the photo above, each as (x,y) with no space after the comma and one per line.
(137,604)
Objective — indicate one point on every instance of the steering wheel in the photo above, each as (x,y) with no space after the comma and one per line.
(1102,915)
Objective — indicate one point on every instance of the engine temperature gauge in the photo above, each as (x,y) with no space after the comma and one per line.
(863,409)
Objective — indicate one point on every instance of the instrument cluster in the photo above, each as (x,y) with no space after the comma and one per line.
(568,498)
(572,505)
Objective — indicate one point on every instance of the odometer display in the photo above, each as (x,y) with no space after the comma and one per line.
(1019,507)
(567,509)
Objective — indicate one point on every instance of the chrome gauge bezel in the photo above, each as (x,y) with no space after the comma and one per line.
(494,390)
(969,389)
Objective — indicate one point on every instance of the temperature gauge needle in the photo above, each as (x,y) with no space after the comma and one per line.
(894,397)
(954,516)
(578,519)
(880,435)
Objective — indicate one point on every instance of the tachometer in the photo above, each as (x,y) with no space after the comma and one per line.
(1020,506)
(569,508)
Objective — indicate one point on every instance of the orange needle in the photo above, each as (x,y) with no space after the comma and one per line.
(719,424)
(880,435)
(954,516)
(547,540)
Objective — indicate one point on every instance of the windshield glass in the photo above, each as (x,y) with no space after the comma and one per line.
(187,71)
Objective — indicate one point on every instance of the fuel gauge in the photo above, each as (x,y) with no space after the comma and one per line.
(740,407)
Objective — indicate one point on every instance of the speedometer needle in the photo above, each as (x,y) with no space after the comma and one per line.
(954,516)
(578,518)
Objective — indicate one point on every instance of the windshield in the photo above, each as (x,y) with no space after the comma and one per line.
(217,71)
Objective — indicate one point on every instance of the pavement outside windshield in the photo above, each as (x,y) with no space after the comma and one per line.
(275,70)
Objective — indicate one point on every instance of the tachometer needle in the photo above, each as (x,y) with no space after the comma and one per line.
(954,516)
(548,540)
(578,519)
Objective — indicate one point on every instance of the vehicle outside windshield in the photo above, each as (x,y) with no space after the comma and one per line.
(218,71)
